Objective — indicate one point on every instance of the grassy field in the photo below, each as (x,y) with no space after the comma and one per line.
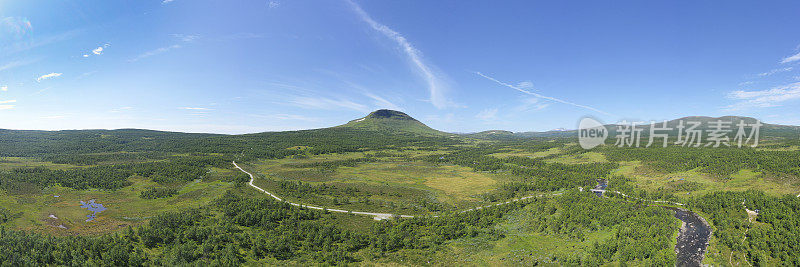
(390,180)
(704,183)
(587,157)
(57,209)
(523,153)
(8,163)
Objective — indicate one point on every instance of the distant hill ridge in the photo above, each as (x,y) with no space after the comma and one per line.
(393,121)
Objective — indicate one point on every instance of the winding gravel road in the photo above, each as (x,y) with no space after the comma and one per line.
(692,240)
(377,216)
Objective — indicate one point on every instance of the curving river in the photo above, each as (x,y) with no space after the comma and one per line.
(693,237)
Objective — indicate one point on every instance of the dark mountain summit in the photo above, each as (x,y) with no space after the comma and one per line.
(389,114)
(391,121)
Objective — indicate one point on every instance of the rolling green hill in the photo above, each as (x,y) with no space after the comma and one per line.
(385,120)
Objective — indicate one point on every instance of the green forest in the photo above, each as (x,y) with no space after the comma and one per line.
(538,185)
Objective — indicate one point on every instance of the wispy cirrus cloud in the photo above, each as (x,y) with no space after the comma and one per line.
(4,104)
(531,104)
(791,58)
(185,37)
(154,52)
(327,103)
(121,109)
(436,86)
(381,102)
(195,108)
(377,100)
(542,96)
(764,98)
(11,47)
(48,76)
(771,72)
(488,114)
(287,117)
(16,63)
(166,2)
(53,117)
(525,85)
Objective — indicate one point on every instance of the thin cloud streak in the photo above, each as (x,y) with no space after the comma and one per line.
(381,102)
(543,96)
(488,114)
(771,72)
(764,98)
(791,58)
(435,85)
(154,52)
(14,64)
(327,103)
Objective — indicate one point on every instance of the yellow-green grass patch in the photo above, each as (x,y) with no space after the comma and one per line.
(528,154)
(587,157)
(743,180)
(124,206)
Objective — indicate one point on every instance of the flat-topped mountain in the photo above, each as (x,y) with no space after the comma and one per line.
(389,114)
(393,121)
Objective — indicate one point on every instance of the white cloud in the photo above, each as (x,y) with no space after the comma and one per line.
(121,109)
(154,52)
(764,98)
(4,107)
(327,103)
(85,55)
(746,83)
(380,102)
(7,101)
(436,86)
(774,71)
(525,85)
(166,2)
(48,76)
(185,37)
(287,117)
(274,4)
(98,50)
(488,114)
(791,58)
(531,104)
(4,88)
(53,117)
(542,96)
(14,64)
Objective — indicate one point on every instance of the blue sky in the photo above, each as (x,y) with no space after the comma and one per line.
(462,66)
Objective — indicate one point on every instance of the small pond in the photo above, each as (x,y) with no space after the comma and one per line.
(95,208)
